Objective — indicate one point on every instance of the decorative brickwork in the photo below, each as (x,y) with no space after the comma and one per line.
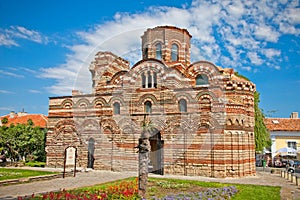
(203,115)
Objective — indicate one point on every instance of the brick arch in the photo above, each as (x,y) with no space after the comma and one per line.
(206,68)
(116,99)
(156,41)
(116,79)
(67,126)
(207,94)
(151,64)
(146,97)
(127,123)
(203,66)
(183,95)
(67,103)
(110,124)
(163,72)
(159,124)
(175,41)
(99,100)
(90,124)
(159,65)
(82,101)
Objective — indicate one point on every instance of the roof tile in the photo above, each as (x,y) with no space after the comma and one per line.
(282,124)
(38,119)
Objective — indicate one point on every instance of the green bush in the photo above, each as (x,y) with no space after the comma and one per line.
(35,164)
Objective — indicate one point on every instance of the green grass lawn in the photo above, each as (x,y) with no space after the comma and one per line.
(245,192)
(9,173)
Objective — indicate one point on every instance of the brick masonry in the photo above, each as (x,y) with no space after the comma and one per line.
(203,126)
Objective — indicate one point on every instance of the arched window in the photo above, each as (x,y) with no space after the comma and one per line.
(146,53)
(143,80)
(155,79)
(182,105)
(149,80)
(174,52)
(148,107)
(201,79)
(116,108)
(158,51)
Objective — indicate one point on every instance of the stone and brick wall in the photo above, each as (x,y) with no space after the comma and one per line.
(213,136)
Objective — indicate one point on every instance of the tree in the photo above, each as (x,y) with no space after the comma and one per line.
(4,120)
(23,141)
(262,135)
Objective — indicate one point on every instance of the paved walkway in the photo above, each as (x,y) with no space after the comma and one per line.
(288,190)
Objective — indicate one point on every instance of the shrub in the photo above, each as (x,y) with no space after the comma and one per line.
(35,164)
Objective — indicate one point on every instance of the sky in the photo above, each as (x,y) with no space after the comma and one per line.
(46,46)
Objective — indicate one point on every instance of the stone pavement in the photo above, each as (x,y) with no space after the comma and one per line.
(82,179)
(288,190)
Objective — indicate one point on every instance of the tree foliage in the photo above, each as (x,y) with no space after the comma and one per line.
(23,141)
(4,120)
(262,135)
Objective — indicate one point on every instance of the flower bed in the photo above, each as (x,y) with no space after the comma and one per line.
(125,190)
(211,193)
(165,189)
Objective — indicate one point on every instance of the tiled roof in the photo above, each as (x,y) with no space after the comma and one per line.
(38,119)
(283,124)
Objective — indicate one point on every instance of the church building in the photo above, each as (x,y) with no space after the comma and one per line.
(202,114)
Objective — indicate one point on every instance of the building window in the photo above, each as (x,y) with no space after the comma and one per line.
(149,79)
(116,108)
(174,52)
(182,105)
(292,145)
(148,107)
(146,53)
(201,79)
(158,51)
(143,81)
(155,79)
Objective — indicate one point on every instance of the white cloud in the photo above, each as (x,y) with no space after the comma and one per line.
(6,41)
(6,92)
(293,15)
(9,36)
(7,73)
(270,53)
(266,33)
(7,108)
(246,68)
(34,91)
(255,58)
(229,33)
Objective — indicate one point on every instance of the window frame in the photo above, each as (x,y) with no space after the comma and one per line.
(158,51)
(202,82)
(116,108)
(147,109)
(293,145)
(182,105)
(174,52)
